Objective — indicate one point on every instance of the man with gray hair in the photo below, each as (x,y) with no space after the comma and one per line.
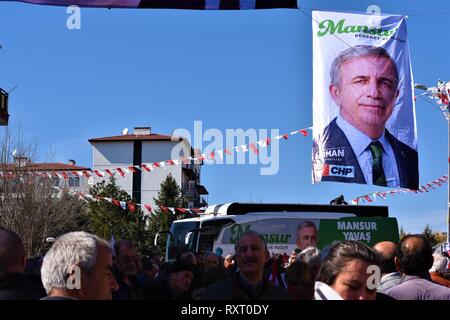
(306,235)
(78,266)
(364,85)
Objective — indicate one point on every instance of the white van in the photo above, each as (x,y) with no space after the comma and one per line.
(218,228)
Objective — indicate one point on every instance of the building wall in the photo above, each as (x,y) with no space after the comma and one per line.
(108,155)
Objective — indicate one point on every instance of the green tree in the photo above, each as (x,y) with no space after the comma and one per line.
(161,219)
(106,219)
(429,235)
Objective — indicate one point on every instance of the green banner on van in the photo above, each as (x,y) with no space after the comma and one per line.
(368,230)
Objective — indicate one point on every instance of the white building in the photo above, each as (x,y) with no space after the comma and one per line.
(66,176)
(144,147)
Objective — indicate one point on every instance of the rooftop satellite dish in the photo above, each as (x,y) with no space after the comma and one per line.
(125,131)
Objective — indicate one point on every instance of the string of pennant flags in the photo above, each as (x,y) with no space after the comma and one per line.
(371,197)
(132,206)
(439,94)
(148,167)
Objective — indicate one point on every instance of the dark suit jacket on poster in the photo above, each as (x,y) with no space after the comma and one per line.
(334,138)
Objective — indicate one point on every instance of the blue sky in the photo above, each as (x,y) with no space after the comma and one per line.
(235,69)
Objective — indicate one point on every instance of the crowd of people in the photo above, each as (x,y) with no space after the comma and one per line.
(81,266)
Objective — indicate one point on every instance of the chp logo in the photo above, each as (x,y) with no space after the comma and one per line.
(330,170)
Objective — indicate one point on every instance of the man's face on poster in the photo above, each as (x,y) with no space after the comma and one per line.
(366,93)
(307,237)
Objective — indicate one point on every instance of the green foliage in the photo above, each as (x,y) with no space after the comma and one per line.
(106,218)
(161,220)
(434,237)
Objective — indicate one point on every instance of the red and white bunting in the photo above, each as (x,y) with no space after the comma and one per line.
(384,194)
(150,167)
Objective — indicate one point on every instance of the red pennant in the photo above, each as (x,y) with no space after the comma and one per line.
(132,169)
(181,210)
(170,162)
(143,166)
(304,132)
(116,202)
(285,136)
(212,155)
(156,164)
(254,148)
(65,176)
(86,174)
(227,151)
(267,141)
(108,172)
(132,207)
(98,173)
(148,207)
(121,172)
(368,198)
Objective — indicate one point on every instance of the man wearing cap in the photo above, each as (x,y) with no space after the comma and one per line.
(176,287)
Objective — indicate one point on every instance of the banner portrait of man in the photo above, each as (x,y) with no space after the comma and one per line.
(364,124)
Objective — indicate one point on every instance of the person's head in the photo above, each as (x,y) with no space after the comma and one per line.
(414,255)
(364,84)
(188,257)
(302,273)
(201,259)
(306,235)
(212,261)
(127,258)
(251,254)
(228,262)
(150,267)
(181,275)
(386,254)
(12,252)
(293,255)
(345,269)
(439,263)
(79,265)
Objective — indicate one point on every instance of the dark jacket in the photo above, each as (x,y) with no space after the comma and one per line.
(233,289)
(161,290)
(16,286)
(334,138)
(134,291)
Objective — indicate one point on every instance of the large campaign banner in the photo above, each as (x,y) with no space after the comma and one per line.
(173,4)
(364,126)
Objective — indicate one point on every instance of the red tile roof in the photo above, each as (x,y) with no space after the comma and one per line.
(134,137)
(45,167)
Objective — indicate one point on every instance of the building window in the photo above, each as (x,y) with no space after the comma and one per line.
(74,181)
(55,181)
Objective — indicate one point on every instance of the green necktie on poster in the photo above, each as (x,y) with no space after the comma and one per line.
(378,176)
